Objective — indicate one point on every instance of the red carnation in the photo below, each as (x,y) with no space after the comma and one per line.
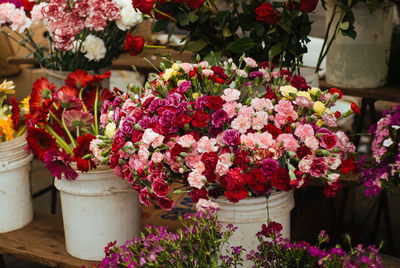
(270,94)
(196,194)
(15,112)
(134,44)
(332,188)
(273,227)
(210,162)
(145,6)
(332,91)
(298,82)
(114,161)
(214,102)
(236,195)
(181,120)
(40,141)
(280,179)
(257,181)
(348,165)
(273,130)
(337,114)
(117,144)
(160,187)
(200,119)
(82,149)
(355,108)
(242,159)
(165,203)
(267,65)
(308,5)
(194,4)
(266,13)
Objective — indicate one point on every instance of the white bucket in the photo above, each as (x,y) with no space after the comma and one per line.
(15,191)
(97,208)
(363,62)
(250,214)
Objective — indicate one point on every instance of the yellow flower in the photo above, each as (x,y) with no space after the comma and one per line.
(110,130)
(168,73)
(319,122)
(196,95)
(7,87)
(314,91)
(319,108)
(180,81)
(25,104)
(304,94)
(286,90)
(6,128)
(176,67)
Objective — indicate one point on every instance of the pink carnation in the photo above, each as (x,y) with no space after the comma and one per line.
(289,142)
(187,67)
(204,204)
(19,21)
(305,163)
(157,157)
(36,13)
(241,123)
(223,164)
(192,159)
(186,140)
(260,120)
(250,140)
(231,94)
(304,131)
(250,62)
(312,142)
(207,145)
(265,140)
(207,72)
(318,167)
(196,180)
(230,108)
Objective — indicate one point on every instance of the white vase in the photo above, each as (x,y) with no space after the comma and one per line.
(15,191)
(250,214)
(363,62)
(58,77)
(97,208)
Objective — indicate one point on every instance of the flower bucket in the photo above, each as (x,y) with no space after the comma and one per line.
(58,77)
(251,213)
(97,208)
(363,62)
(15,191)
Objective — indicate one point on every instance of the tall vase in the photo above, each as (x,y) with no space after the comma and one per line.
(58,77)
(15,191)
(363,62)
(250,214)
(97,208)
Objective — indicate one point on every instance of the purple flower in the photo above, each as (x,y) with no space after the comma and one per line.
(256,74)
(219,118)
(337,251)
(145,122)
(105,106)
(128,126)
(184,86)
(154,105)
(167,118)
(58,163)
(231,137)
(269,166)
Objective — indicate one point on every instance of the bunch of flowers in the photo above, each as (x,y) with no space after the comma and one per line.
(264,30)
(12,116)
(274,249)
(383,171)
(85,34)
(62,122)
(196,245)
(193,126)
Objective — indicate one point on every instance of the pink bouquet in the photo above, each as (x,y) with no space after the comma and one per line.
(232,131)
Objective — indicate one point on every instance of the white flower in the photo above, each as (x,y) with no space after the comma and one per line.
(204,204)
(387,142)
(129,18)
(123,3)
(110,130)
(94,48)
(395,126)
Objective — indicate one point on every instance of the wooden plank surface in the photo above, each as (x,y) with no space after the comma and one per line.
(386,93)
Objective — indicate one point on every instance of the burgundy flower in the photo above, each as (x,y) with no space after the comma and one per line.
(298,82)
(181,120)
(165,203)
(58,163)
(302,151)
(194,4)
(219,118)
(231,137)
(308,5)
(332,188)
(114,160)
(329,141)
(318,167)
(242,159)
(160,187)
(200,119)
(269,166)
(196,194)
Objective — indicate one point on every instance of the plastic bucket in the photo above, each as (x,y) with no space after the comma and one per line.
(15,191)
(251,213)
(97,208)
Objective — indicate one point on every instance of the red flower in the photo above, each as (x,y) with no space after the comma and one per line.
(242,159)
(214,102)
(274,131)
(298,82)
(348,165)
(257,181)
(58,163)
(15,112)
(78,79)
(42,90)
(266,13)
(329,141)
(82,149)
(270,94)
(134,44)
(337,114)
(355,108)
(181,120)
(332,189)
(234,183)
(160,187)
(236,195)
(273,227)
(302,151)
(145,6)
(220,72)
(280,179)
(40,141)
(308,5)
(338,91)
(97,79)
(196,194)
(200,119)
(165,203)
(144,197)
(194,4)
(114,161)
(267,65)
(117,144)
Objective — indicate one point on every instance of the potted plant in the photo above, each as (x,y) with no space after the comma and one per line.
(97,206)
(192,126)
(15,163)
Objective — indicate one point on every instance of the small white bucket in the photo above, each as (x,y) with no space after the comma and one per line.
(97,208)
(15,191)
(250,214)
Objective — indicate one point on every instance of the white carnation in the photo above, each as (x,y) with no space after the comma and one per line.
(110,130)
(129,18)
(94,48)
(123,3)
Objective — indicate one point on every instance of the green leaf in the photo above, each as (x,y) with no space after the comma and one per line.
(196,45)
(259,29)
(275,50)
(226,32)
(213,58)
(160,26)
(183,18)
(241,45)
(344,25)
(193,17)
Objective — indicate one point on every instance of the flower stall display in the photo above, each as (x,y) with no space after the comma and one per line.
(265,30)
(15,163)
(97,206)
(228,131)
(382,171)
(85,34)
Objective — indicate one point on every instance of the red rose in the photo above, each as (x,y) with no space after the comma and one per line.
(348,165)
(332,189)
(145,6)
(200,119)
(266,13)
(160,187)
(355,108)
(114,161)
(280,179)
(236,195)
(134,44)
(338,91)
(196,194)
(257,181)
(194,4)
(181,120)
(308,5)
(165,203)
(214,102)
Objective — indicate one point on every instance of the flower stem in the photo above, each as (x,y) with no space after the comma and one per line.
(165,14)
(96,128)
(68,132)
(59,140)
(21,131)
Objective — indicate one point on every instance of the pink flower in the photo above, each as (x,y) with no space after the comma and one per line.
(103,120)
(246,111)
(305,163)
(241,73)
(207,145)
(260,120)
(333,162)
(204,204)
(304,131)
(289,142)
(284,107)
(279,120)
(136,164)
(186,140)
(311,142)
(148,136)
(6,9)
(223,164)
(129,107)
(192,159)
(207,72)
(196,180)
(143,153)
(230,94)
(19,21)
(96,151)
(157,157)
(241,124)
(329,120)
(250,140)
(230,108)
(250,62)
(318,167)
(261,104)
(265,140)
(158,141)
(203,64)
(36,13)
(187,67)
(199,167)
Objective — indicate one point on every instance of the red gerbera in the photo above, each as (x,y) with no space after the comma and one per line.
(78,79)
(97,79)
(15,112)
(82,149)
(58,163)
(42,113)
(42,90)
(67,97)
(40,141)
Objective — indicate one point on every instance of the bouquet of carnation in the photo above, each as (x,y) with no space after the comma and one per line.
(11,116)
(62,122)
(383,171)
(85,34)
(229,130)
(264,30)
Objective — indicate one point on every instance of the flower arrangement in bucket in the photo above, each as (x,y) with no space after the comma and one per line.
(86,34)
(382,171)
(264,30)
(191,125)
